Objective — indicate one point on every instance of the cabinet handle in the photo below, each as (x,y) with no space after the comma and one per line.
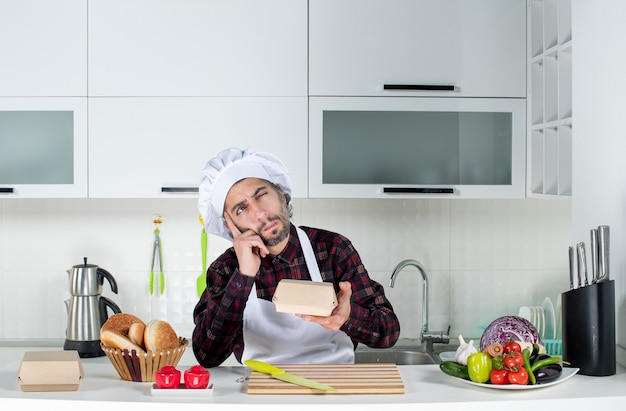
(179,189)
(427,87)
(8,190)
(418,190)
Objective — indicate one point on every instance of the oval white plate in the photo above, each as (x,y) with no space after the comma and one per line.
(566,375)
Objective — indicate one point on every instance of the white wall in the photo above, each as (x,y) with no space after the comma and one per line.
(599,136)
(484,258)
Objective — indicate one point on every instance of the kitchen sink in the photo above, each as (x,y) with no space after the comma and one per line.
(392,356)
(407,351)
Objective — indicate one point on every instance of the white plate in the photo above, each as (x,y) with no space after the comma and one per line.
(558,326)
(566,375)
(447,355)
(548,310)
(181,391)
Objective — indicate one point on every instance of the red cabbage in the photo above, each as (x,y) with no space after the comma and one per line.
(509,327)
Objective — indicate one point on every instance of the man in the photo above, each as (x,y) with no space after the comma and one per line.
(245,196)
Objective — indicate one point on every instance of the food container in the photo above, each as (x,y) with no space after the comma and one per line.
(140,367)
(305,297)
(50,371)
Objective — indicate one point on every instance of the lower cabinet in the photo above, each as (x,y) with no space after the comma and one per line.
(156,147)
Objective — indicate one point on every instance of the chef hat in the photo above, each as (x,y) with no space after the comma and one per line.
(227,168)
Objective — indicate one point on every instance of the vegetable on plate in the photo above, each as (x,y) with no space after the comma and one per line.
(479,367)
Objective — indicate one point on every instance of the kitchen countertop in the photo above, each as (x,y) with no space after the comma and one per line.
(425,385)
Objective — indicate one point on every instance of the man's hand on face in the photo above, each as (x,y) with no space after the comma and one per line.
(340,314)
(249,248)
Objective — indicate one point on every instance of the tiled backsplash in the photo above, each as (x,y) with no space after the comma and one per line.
(484,258)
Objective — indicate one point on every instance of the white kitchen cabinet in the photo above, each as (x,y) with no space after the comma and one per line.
(197,48)
(477,48)
(156,147)
(43,147)
(398,147)
(43,48)
(550,99)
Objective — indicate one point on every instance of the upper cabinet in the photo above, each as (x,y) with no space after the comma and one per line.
(454,48)
(43,98)
(43,48)
(43,147)
(151,147)
(386,147)
(197,48)
(550,99)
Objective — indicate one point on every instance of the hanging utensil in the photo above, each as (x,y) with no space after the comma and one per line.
(157,257)
(201,280)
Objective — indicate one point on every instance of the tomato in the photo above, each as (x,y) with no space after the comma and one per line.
(499,377)
(513,361)
(511,346)
(519,377)
(479,366)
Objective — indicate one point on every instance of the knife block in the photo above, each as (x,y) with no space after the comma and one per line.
(588,315)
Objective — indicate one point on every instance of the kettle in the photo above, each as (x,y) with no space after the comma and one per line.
(87,309)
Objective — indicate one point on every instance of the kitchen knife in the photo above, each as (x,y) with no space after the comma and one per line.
(594,255)
(572,267)
(603,253)
(282,375)
(582,264)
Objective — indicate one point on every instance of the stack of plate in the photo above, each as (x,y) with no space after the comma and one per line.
(542,317)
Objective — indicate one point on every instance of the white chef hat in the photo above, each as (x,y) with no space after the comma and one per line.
(222,172)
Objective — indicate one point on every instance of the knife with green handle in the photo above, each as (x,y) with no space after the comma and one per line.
(283,375)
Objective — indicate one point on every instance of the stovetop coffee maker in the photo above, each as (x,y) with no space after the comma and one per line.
(87,309)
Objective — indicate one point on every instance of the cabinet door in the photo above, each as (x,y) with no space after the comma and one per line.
(197,48)
(385,147)
(43,147)
(156,147)
(43,48)
(358,46)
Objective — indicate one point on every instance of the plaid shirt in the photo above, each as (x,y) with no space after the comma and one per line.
(218,316)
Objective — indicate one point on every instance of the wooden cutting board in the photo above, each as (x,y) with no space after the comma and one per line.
(346,379)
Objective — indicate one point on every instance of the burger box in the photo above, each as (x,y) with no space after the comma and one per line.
(305,297)
(50,371)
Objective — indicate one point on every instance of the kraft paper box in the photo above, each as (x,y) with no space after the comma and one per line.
(50,371)
(305,297)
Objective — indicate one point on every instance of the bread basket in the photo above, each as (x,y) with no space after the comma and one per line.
(140,367)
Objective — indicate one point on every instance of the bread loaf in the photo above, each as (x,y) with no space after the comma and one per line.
(114,339)
(160,336)
(136,332)
(121,323)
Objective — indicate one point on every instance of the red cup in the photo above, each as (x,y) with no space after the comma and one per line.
(196,377)
(167,377)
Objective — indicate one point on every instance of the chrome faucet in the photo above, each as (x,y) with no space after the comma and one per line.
(427,337)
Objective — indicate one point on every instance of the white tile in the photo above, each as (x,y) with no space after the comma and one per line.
(469,248)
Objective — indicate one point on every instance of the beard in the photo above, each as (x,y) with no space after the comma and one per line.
(277,235)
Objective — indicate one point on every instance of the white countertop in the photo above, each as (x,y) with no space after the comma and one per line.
(425,385)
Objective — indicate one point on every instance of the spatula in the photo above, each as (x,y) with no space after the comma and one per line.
(201,280)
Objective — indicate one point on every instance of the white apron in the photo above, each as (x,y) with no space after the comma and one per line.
(284,338)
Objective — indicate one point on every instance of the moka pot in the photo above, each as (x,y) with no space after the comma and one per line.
(87,309)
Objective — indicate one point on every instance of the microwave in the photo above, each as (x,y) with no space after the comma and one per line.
(417,147)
